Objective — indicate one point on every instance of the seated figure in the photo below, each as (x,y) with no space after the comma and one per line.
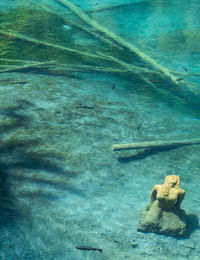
(163,213)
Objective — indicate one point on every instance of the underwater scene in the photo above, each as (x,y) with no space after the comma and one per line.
(100,129)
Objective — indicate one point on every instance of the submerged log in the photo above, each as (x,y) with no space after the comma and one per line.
(154,144)
(24,67)
(179,86)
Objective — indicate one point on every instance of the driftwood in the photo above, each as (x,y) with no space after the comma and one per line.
(85,68)
(131,68)
(47,44)
(27,66)
(80,27)
(104,69)
(65,68)
(144,73)
(117,39)
(166,74)
(154,144)
(93,33)
(18,61)
(52,67)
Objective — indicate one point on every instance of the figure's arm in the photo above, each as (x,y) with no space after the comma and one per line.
(152,196)
(180,198)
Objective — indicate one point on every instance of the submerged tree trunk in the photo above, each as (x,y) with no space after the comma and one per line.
(154,144)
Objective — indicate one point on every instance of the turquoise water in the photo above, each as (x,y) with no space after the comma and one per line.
(76,78)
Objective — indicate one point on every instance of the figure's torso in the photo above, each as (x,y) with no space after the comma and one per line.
(167,198)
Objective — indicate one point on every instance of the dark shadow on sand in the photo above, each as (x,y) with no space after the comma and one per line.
(16,155)
(141,154)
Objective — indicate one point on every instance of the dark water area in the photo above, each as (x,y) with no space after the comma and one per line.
(77,77)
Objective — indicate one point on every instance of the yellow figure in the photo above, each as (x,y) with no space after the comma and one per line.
(167,196)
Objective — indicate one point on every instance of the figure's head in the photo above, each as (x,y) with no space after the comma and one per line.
(172,180)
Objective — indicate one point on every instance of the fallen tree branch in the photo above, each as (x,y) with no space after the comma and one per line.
(27,66)
(83,16)
(133,69)
(17,61)
(154,144)
(51,45)
(94,34)
(65,68)
(51,66)
(80,27)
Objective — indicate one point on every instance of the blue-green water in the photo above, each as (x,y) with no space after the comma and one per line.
(76,79)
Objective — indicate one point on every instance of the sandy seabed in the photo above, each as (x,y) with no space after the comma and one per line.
(62,186)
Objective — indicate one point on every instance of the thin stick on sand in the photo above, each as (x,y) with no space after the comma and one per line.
(154,144)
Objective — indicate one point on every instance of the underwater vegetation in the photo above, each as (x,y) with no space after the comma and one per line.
(76,43)
(53,32)
(5,42)
(5,45)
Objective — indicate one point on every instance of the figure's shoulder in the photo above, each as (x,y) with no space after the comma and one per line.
(157,187)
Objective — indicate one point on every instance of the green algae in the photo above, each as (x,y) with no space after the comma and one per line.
(51,28)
